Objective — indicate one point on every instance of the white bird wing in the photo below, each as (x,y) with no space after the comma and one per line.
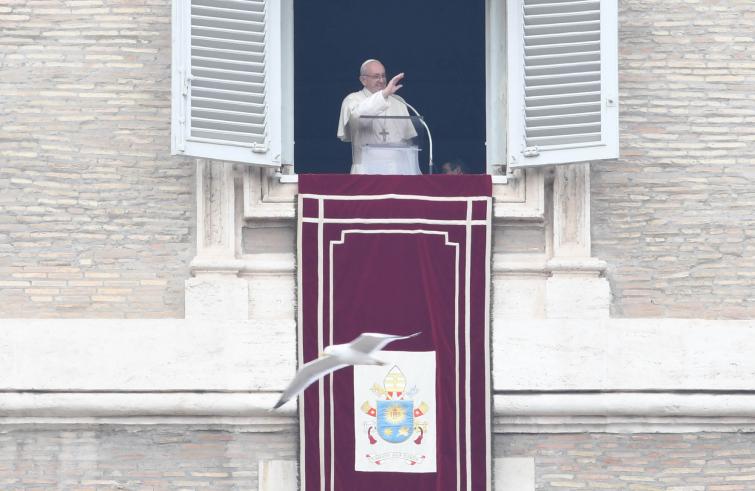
(307,374)
(370,342)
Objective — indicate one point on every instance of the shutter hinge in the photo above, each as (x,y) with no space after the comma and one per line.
(186,84)
(531,152)
(259,147)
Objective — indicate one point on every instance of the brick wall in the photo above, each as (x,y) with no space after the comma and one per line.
(160,457)
(641,462)
(96,217)
(674,217)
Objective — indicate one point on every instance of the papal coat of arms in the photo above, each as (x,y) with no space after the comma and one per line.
(396,418)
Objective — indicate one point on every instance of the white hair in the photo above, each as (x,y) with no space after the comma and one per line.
(363,68)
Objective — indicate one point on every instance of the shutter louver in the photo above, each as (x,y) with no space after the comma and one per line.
(562,81)
(226,90)
(228,70)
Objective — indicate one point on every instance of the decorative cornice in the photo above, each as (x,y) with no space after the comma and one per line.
(576,265)
(503,265)
(622,424)
(644,404)
(268,264)
(215,265)
(538,264)
(620,412)
(250,264)
(173,404)
(624,412)
(519,264)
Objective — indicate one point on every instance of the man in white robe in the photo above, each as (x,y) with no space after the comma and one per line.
(377,99)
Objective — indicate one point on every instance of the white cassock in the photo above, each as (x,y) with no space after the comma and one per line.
(376,131)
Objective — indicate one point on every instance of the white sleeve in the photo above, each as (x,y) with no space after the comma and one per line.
(372,106)
(351,110)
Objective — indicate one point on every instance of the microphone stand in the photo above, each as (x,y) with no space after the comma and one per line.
(421,120)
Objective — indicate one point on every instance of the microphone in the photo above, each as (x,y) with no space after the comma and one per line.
(421,120)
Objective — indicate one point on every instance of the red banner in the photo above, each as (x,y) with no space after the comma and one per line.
(396,255)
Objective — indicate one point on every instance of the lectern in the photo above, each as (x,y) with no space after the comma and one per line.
(390,158)
(389,145)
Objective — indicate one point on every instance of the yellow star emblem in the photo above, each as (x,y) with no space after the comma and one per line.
(403,431)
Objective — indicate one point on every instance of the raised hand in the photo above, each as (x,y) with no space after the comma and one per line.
(393,85)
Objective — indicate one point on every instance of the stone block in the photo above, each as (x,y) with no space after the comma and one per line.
(217,297)
(577,297)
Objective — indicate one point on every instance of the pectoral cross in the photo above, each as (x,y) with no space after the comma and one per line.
(384,134)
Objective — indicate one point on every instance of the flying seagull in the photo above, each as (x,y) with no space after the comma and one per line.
(357,352)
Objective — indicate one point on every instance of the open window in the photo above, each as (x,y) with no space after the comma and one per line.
(550,81)
(439,46)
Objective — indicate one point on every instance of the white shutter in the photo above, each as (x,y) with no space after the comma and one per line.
(226,80)
(562,81)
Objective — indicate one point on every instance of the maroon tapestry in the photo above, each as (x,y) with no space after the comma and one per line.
(396,255)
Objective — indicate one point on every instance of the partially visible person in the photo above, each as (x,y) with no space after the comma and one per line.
(453,167)
(375,99)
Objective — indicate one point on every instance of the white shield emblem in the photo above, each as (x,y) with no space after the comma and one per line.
(395,413)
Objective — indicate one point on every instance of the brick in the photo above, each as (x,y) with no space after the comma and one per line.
(100,152)
(678,80)
(137,457)
(697,467)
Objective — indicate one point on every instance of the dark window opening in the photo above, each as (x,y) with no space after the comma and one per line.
(440,45)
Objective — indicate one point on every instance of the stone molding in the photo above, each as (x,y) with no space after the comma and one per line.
(622,412)
(216,215)
(503,264)
(270,195)
(513,413)
(539,264)
(269,264)
(250,404)
(168,404)
(626,404)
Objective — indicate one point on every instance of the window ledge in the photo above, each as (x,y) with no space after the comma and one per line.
(287,178)
(294,179)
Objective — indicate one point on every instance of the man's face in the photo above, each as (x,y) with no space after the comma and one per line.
(374,77)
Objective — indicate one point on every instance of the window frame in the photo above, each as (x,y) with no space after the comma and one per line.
(495,85)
